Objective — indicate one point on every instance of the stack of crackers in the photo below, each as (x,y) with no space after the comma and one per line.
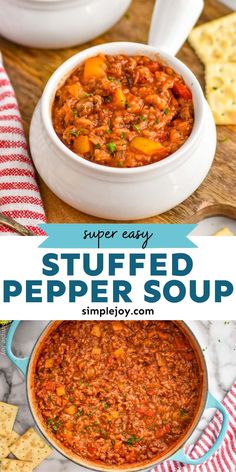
(224,232)
(29,450)
(215,44)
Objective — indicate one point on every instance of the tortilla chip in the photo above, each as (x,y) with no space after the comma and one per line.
(216,40)
(4,448)
(8,465)
(7,418)
(221,92)
(31,447)
(224,232)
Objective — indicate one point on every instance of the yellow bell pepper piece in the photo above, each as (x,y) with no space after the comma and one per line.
(61,391)
(113,415)
(146,146)
(94,67)
(48,363)
(71,410)
(82,145)
(97,351)
(119,99)
(119,352)
(117,326)
(96,331)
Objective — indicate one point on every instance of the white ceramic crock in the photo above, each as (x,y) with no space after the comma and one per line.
(128,194)
(58,23)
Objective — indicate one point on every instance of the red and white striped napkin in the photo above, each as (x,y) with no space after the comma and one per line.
(19,194)
(224,460)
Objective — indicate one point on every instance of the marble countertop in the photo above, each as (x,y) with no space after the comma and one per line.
(217,338)
(229,3)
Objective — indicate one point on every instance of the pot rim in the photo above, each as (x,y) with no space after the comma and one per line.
(96,467)
(67,67)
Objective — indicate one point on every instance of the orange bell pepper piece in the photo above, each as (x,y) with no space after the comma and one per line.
(94,67)
(146,146)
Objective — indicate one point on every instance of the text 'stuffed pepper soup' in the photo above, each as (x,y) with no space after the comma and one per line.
(117,392)
(123,111)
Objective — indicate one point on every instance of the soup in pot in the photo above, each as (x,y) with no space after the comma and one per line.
(117,393)
(123,111)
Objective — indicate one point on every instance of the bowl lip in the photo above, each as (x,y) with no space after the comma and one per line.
(89,465)
(44,2)
(115,48)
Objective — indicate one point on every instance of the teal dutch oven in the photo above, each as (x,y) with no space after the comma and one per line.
(27,366)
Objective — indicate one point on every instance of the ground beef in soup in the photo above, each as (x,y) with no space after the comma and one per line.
(123,111)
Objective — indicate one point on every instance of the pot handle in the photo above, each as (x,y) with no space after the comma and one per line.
(212,402)
(172,21)
(21,363)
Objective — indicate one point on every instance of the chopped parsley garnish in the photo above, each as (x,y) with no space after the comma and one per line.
(54,423)
(132,440)
(87,384)
(74,133)
(111,78)
(111,147)
(119,164)
(109,130)
(98,146)
(79,412)
(136,127)
(151,428)
(123,135)
(56,426)
(166,111)
(87,95)
(183,412)
(142,118)
(107,405)
(108,99)
(157,121)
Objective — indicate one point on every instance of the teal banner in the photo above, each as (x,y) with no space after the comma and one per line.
(125,236)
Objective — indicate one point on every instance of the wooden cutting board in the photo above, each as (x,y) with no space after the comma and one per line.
(29,70)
